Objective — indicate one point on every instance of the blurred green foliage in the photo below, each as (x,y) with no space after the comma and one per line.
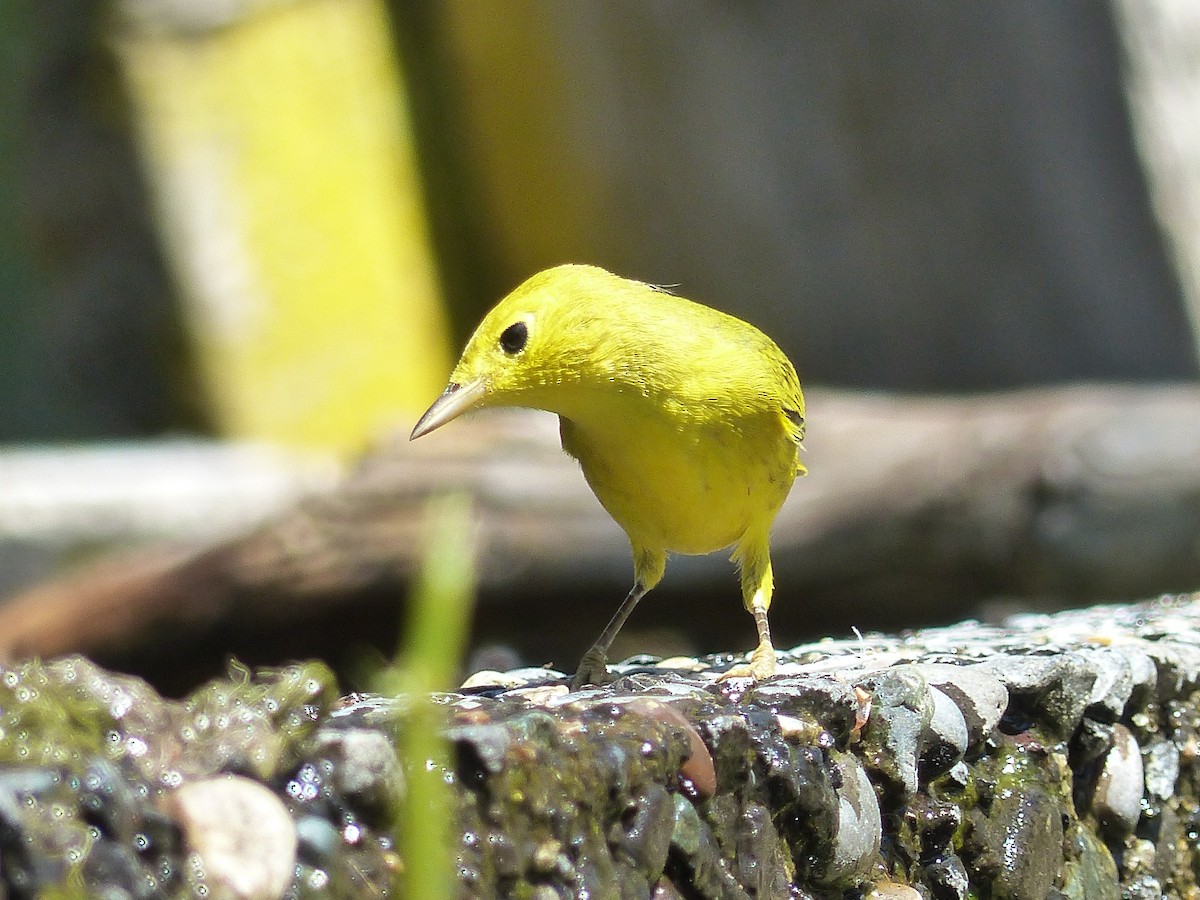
(434,639)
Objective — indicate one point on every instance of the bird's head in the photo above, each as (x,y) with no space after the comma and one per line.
(553,331)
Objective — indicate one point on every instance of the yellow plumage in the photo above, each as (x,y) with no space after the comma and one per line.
(685,420)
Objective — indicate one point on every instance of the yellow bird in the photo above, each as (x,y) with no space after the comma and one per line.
(685,420)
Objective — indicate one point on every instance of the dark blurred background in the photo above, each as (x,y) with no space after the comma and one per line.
(922,196)
(277,220)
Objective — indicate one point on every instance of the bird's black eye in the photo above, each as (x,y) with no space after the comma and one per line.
(513,338)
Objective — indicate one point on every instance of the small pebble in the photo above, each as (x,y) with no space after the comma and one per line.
(1161,764)
(318,839)
(860,824)
(798,730)
(539,694)
(487,678)
(981,698)
(545,857)
(1117,797)
(1145,887)
(901,707)
(945,739)
(682,664)
(892,891)
(947,877)
(365,763)
(242,834)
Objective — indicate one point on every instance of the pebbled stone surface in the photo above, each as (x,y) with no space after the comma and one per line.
(1055,756)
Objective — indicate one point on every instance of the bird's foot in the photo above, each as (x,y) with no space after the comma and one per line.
(761,666)
(593,669)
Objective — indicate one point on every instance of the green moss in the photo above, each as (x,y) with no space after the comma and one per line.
(557,796)
(48,717)
(255,722)
(1014,806)
(77,743)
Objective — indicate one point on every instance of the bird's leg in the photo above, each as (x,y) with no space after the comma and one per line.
(593,668)
(762,660)
(757,586)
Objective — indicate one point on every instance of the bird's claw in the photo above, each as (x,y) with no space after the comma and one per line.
(761,666)
(593,669)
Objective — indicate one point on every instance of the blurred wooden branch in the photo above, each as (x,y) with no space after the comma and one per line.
(915,509)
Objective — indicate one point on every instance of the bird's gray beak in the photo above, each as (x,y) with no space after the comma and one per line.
(455,400)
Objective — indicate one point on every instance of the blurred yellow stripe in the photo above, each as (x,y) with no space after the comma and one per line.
(281,158)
